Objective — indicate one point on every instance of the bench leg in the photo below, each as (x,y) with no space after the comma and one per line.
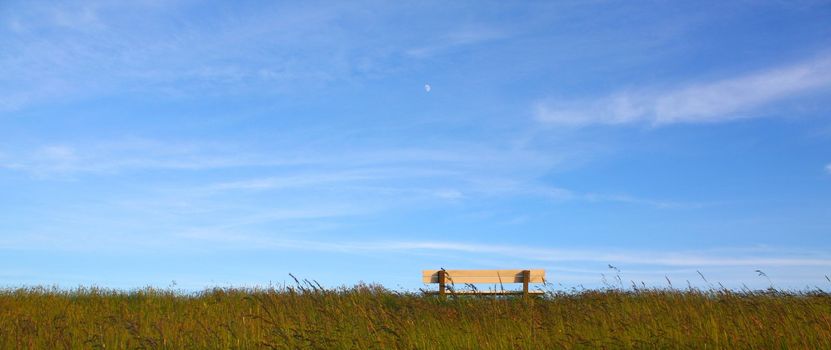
(442,279)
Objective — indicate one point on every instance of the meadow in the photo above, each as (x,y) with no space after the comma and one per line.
(306,316)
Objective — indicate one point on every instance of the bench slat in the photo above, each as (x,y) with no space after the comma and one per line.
(483,273)
(483,276)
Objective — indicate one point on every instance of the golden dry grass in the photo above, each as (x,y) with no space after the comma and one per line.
(370,317)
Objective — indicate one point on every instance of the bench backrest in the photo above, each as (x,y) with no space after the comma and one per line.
(484,276)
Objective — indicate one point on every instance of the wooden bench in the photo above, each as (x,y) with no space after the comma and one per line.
(452,277)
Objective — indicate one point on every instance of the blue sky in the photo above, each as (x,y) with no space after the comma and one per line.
(218,144)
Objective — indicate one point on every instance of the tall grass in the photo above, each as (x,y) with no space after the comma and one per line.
(371,317)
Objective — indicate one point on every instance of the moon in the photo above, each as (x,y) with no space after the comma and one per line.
(427,87)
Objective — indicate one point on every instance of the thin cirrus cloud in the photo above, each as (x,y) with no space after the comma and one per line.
(760,257)
(64,160)
(459,38)
(678,258)
(393,172)
(706,102)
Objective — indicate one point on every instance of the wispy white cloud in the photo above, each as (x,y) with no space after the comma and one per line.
(293,181)
(457,174)
(62,160)
(828,168)
(59,52)
(759,257)
(81,18)
(137,154)
(565,194)
(704,102)
(65,52)
(665,258)
(791,267)
(458,38)
(404,181)
(340,173)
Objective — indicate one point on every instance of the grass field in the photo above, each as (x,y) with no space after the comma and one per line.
(366,317)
